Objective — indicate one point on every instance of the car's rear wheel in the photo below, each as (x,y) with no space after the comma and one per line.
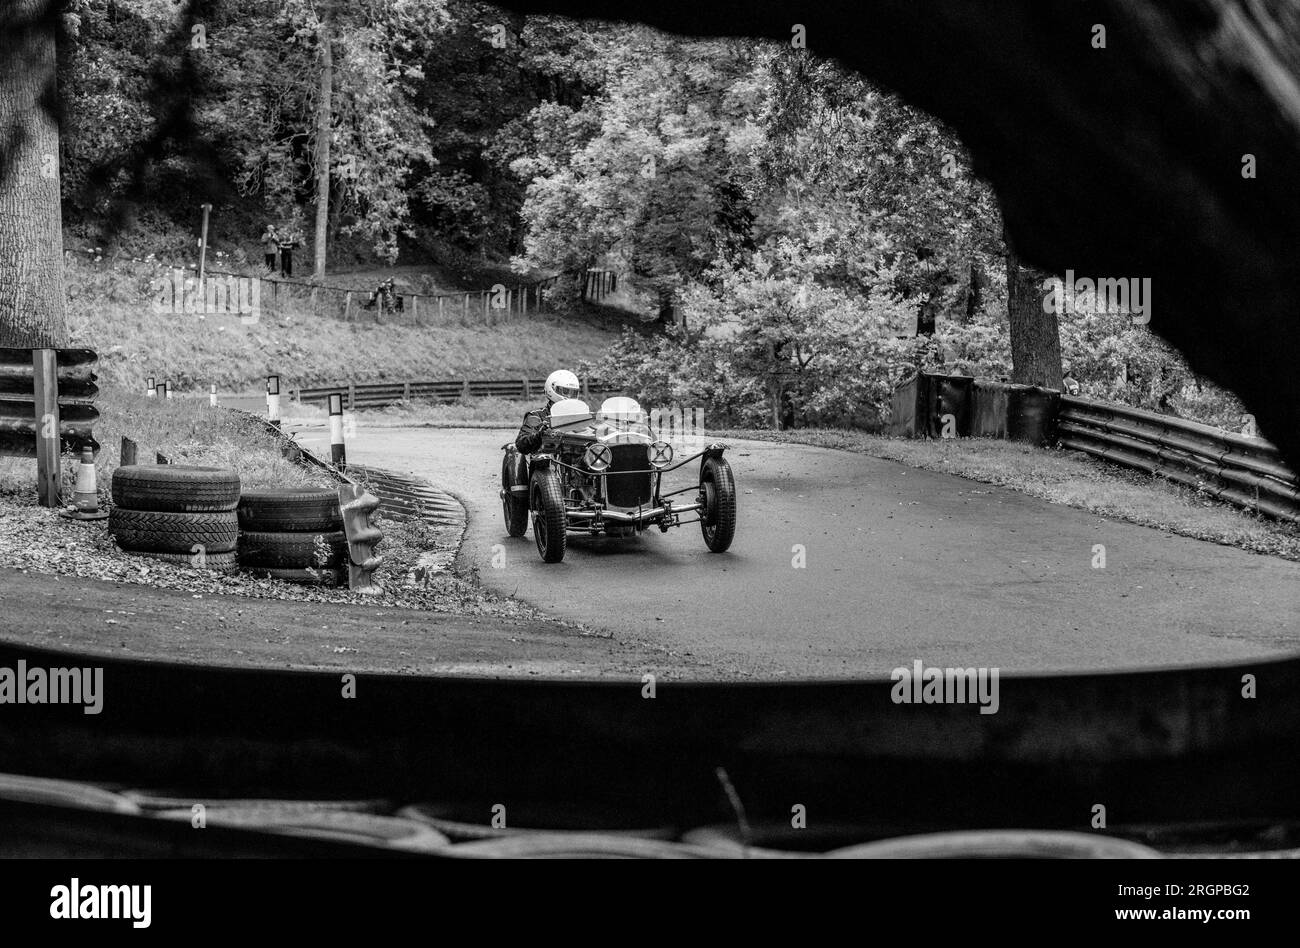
(514,503)
(549,520)
(718,519)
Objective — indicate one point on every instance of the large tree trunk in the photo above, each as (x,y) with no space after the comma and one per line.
(1035,332)
(324,123)
(31,224)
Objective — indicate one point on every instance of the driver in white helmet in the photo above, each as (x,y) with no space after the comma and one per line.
(560,384)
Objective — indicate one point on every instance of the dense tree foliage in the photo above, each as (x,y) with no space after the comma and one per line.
(808,239)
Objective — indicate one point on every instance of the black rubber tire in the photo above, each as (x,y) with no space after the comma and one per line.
(290,510)
(550,523)
(514,472)
(158,531)
(777,840)
(365,829)
(718,520)
(172,799)
(999,844)
(284,550)
(175,488)
(454,822)
(217,562)
(332,576)
(578,846)
(62,793)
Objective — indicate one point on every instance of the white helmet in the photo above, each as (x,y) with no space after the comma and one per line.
(562,384)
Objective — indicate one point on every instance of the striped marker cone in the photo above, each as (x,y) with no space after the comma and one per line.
(85,497)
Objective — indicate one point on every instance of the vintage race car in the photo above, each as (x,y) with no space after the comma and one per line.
(601,473)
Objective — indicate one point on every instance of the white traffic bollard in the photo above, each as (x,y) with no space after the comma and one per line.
(212,396)
(85,498)
(167,388)
(338,448)
(273,399)
(150,389)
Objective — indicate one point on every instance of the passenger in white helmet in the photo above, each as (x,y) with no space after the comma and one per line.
(560,384)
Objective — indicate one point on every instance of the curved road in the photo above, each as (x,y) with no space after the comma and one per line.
(901,564)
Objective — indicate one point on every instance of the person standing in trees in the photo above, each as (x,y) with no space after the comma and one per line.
(270,246)
(287,242)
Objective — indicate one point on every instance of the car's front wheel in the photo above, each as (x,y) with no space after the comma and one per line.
(549,520)
(718,518)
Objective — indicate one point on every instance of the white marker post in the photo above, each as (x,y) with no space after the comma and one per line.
(212,396)
(338,449)
(167,388)
(150,388)
(273,399)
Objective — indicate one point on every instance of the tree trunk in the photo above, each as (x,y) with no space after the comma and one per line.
(324,116)
(31,223)
(974,294)
(1035,334)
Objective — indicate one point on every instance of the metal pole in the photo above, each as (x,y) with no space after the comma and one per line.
(338,447)
(203,249)
(273,399)
(45,392)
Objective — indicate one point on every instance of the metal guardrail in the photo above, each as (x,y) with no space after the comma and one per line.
(383,394)
(1247,472)
(76,397)
(1243,471)
(47,408)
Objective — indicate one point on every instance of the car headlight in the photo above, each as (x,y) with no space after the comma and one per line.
(661,454)
(598,456)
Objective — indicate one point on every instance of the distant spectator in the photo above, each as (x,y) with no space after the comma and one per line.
(270,246)
(287,243)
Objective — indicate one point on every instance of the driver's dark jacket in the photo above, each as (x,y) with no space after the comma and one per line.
(535,424)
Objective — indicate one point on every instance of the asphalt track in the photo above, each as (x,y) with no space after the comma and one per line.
(900,565)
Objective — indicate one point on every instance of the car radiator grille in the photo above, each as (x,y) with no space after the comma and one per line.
(624,489)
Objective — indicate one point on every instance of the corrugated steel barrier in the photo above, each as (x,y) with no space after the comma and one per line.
(19,424)
(383,394)
(1240,470)
(1247,472)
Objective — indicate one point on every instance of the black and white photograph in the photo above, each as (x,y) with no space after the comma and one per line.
(456,434)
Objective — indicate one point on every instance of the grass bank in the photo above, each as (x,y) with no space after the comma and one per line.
(112,312)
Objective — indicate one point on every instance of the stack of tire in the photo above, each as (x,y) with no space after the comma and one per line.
(177,513)
(295,534)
